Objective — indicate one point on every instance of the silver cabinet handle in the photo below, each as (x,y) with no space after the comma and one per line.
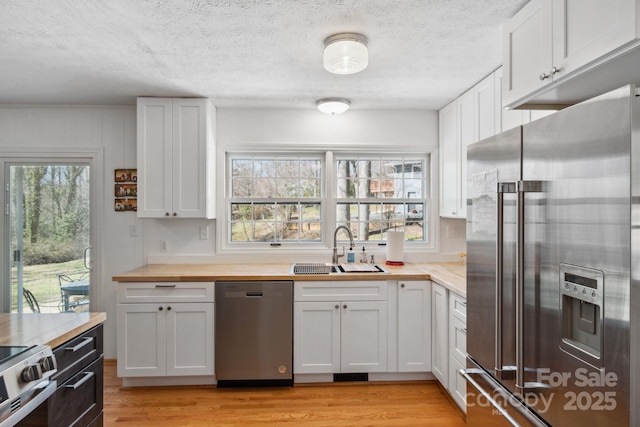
(87,376)
(86,341)
(166,286)
(554,70)
(543,76)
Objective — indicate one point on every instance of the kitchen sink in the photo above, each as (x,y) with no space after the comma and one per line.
(326,268)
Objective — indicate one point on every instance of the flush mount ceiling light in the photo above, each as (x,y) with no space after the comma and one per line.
(345,53)
(333,106)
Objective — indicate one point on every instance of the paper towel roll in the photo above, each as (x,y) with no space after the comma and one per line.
(395,246)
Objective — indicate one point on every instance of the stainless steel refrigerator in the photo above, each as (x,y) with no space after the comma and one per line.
(553,273)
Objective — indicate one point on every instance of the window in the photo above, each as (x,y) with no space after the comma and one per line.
(282,199)
(376,194)
(275,199)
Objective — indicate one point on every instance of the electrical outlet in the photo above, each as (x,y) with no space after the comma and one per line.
(204,232)
(164,246)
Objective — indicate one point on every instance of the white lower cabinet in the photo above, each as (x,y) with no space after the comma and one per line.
(165,337)
(340,327)
(440,333)
(449,340)
(340,336)
(457,348)
(414,326)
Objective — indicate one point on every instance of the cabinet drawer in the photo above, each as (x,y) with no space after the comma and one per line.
(143,292)
(358,290)
(80,399)
(458,340)
(457,384)
(78,353)
(458,306)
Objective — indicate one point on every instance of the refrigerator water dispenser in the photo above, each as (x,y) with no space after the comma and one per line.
(581,306)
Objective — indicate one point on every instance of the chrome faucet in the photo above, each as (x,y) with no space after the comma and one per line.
(335,247)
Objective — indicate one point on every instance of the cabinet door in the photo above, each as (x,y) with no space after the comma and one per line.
(414,326)
(154,156)
(363,340)
(316,337)
(527,51)
(585,30)
(449,165)
(484,99)
(189,154)
(190,338)
(142,340)
(466,134)
(440,333)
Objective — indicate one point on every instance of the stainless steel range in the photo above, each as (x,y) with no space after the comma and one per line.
(24,381)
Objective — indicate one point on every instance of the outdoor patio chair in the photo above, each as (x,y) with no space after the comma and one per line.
(31,300)
(74,290)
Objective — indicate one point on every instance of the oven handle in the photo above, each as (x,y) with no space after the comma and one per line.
(48,388)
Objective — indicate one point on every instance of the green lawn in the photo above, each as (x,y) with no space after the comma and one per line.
(42,281)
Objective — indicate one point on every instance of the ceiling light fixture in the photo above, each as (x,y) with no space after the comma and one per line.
(345,53)
(333,106)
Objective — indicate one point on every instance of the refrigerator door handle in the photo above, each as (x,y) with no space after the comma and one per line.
(494,403)
(523,188)
(501,400)
(501,372)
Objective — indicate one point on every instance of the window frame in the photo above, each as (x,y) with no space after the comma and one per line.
(425,200)
(328,202)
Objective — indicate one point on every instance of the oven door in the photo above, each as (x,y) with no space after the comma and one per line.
(16,410)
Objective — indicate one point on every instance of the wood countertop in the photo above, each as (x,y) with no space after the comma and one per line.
(45,328)
(451,275)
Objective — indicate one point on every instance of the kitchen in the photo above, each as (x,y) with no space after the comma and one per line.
(59,115)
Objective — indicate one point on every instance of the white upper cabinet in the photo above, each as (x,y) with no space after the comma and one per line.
(484,99)
(449,164)
(176,158)
(527,49)
(550,42)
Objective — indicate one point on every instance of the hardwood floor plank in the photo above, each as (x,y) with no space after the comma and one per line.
(335,405)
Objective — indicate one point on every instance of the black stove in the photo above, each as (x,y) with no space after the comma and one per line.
(25,373)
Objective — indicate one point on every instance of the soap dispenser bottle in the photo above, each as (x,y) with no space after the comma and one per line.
(351,255)
(363,256)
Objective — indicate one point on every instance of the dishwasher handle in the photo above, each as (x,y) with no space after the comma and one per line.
(253,294)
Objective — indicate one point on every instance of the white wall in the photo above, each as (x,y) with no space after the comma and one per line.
(253,129)
(114,129)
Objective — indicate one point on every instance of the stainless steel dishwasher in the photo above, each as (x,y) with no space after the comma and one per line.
(254,333)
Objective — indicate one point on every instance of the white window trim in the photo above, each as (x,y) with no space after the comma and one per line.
(224,247)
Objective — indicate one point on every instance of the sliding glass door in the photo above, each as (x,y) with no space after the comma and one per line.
(47,236)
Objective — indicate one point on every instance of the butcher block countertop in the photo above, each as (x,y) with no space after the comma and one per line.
(50,329)
(451,275)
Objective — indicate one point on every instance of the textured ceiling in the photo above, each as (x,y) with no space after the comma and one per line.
(245,53)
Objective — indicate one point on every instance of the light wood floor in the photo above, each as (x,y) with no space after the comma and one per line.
(336,405)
